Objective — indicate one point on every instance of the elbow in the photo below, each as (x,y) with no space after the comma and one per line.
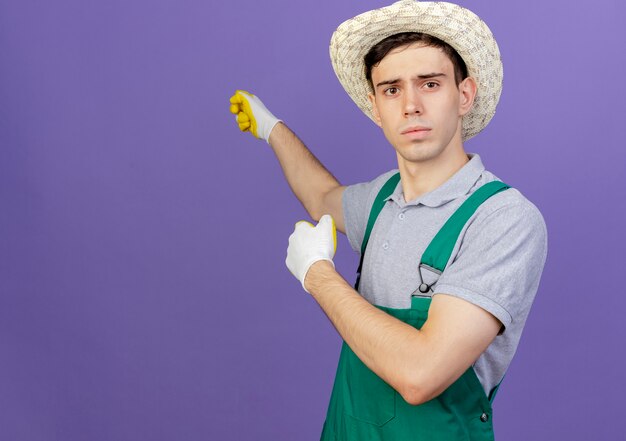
(417,390)
(413,394)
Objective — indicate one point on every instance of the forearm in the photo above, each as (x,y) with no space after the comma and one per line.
(388,346)
(308,178)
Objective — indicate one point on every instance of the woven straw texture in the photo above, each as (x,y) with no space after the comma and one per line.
(457,26)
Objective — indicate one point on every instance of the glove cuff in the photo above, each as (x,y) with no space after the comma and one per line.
(271,126)
(308,266)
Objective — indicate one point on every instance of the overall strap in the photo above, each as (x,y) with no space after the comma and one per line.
(440,248)
(377,207)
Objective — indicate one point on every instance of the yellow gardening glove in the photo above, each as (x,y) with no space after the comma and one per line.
(308,244)
(252,115)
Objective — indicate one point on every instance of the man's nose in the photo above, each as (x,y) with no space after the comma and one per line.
(412,103)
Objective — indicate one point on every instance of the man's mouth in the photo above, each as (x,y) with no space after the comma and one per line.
(414,129)
(415,132)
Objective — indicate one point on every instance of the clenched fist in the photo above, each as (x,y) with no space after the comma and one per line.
(308,244)
(252,115)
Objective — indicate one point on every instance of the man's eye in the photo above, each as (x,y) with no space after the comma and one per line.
(431,84)
(391,91)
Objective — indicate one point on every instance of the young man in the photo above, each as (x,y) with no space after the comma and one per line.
(451,257)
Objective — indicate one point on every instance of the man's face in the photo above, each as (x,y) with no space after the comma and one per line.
(417,102)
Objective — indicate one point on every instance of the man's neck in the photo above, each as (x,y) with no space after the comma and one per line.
(419,178)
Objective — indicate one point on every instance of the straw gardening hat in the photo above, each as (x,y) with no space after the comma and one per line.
(457,26)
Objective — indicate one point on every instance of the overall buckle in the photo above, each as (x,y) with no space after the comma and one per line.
(425,287)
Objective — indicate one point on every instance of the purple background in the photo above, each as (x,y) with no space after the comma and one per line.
(143,291)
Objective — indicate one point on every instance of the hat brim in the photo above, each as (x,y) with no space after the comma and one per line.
(457,26)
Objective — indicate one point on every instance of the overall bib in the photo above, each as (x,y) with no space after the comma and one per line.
(365,408)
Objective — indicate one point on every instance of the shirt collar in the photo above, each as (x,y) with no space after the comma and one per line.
(456,186)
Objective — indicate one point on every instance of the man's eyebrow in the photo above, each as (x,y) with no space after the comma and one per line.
(431,75)
(382,83)
(421,77)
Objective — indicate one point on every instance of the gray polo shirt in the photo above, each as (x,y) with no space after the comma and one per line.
(496,263)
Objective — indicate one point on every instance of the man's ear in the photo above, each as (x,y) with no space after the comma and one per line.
(375,114)
(467,93)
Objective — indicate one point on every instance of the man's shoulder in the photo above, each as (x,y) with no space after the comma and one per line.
(509,206)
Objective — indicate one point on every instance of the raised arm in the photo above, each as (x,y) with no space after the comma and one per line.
(314,186)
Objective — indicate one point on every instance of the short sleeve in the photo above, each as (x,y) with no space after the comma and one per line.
(499,262)
(356,203)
